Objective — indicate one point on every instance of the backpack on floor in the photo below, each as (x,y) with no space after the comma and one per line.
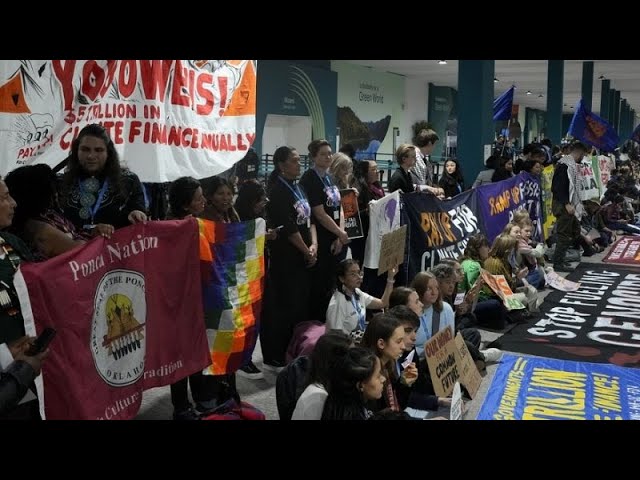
(232,410)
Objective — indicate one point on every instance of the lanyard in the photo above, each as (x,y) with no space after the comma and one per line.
(326,180)
(296,192)
(96,206)
(361,316)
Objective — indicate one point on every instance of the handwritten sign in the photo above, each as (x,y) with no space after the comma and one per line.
(501,288)
(392,249)
(449,361)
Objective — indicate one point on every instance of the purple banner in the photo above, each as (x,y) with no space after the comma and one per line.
(497,203)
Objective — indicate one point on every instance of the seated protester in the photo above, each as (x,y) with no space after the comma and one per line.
(615,219)
(594,220)
(328,352)
(385,338)
(414,396)
(38,220)
(527,256)
(520,215)
(356,382)
(465,318)
(497,263)
(451,181)
(436,315)
(388,414)
(446,277)
(489,310)
(347,307)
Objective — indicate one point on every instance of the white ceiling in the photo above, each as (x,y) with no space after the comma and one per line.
(624,75)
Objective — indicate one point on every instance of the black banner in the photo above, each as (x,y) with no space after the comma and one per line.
(438,229)
(598,323)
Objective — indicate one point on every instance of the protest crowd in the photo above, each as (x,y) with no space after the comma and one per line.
(345,342)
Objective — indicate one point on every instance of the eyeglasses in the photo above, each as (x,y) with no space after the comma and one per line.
(356,274)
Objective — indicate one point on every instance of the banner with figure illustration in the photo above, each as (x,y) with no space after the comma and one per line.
(167,118)
(128,312)
(530,388)
(499,201)
(232,266)
(438,229)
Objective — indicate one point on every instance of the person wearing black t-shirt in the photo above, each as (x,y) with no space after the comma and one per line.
(324,199)
(292,253)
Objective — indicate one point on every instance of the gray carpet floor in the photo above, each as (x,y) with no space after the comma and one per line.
(156,403)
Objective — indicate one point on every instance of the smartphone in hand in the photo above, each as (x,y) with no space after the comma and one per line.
(41,343)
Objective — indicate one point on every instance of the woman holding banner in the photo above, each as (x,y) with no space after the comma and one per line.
(96,194)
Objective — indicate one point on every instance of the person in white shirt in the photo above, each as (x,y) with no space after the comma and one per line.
(348,305)
(328,352)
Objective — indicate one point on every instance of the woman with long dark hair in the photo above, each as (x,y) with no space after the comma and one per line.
(96,194)
(38,220)
(452,181)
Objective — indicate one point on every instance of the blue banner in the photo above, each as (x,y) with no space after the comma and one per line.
(589,128)
(498,201)
(437,229)
(532,388)
(502,106)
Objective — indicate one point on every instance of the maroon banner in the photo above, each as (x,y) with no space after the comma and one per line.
(625,251)
(128,311)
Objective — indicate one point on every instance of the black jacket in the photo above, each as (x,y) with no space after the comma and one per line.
(401,180)
(14,383)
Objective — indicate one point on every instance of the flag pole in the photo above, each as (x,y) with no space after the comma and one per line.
(505,142)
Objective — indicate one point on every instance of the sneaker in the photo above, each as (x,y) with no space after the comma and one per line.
(188,414)
(250,371)
(491,355)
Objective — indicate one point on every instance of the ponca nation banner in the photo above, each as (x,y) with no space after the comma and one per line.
(529,388)
(129,317)
(167,118)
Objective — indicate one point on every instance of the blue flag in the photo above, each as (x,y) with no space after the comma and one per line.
(502,106)
(589,128)
(635,136)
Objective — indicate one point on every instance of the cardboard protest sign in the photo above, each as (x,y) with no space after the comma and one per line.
(392,249)
(501,288)
(449,361)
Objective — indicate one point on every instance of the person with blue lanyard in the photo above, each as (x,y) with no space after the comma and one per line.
(292,254)
(96,194)
(347,309)
(325,201)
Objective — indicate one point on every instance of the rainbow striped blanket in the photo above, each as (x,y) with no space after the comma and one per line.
(232,270)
